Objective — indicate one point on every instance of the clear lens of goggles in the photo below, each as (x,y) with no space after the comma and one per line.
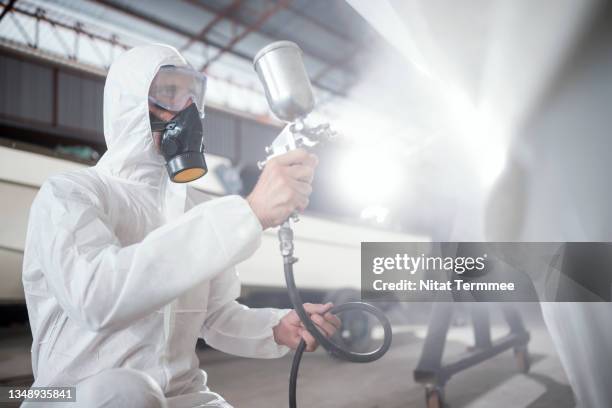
(174,88)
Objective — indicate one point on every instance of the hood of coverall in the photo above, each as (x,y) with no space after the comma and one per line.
(131,153)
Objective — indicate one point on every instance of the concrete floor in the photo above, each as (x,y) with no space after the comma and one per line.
(325,382)
(388,383)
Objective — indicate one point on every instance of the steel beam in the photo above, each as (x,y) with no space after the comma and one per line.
(307,52)
(202,34)
(162,24)
(249,29)
(7,8)
(180,31)
(22,30)
(58,23)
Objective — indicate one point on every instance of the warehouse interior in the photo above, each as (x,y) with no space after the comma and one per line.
(457,121)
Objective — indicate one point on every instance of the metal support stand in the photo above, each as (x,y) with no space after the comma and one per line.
(430,370)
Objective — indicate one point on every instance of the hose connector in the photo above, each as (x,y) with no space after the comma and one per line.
(285,239)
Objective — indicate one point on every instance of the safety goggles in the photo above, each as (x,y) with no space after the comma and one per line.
(175,88)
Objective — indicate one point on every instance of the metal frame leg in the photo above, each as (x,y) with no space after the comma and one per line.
(430,362)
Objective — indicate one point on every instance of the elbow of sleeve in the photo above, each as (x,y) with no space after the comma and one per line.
(95,326)
(98,317)
(95,322)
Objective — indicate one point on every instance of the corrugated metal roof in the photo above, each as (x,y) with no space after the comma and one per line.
(328,31)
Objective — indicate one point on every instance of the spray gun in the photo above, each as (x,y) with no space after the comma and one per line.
(281,70)
(289,93)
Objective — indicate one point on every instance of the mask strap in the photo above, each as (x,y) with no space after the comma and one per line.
(158,126)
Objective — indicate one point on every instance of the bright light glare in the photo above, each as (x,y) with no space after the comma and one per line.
(483,137)
(370,178)
(375,212)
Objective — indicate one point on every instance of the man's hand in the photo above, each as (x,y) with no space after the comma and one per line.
(283,187)
(290,330)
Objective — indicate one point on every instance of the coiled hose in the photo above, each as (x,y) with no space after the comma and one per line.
(327,344)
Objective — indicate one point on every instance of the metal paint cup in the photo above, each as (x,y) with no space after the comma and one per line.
(281,70)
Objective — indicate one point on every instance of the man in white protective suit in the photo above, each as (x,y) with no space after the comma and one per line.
(124,269)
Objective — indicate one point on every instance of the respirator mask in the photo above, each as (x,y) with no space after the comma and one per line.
(179,92)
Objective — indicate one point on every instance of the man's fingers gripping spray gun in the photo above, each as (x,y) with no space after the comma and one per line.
(280,69)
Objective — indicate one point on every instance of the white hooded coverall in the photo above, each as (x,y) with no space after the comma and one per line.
(124,270)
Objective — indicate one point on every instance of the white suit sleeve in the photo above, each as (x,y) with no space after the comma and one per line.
(105,285)
(237,329)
